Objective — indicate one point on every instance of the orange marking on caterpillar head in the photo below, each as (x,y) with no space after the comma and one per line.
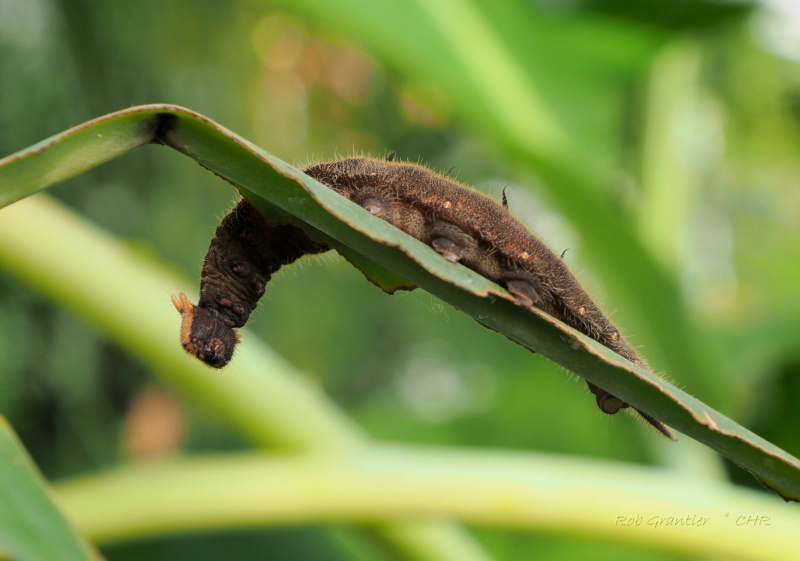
(186,309)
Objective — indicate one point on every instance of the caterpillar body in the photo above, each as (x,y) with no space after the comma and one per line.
(461,224)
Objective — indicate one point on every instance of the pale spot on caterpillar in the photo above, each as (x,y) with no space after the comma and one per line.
(524,292)
(461,224)
(374,206)
(447,249)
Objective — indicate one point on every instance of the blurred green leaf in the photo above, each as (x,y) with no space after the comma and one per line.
(523,490)
(31,527)
(677,15)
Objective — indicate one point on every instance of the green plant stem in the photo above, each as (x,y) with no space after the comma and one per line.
(497,75)
(126,296)
(27,511)
(593,499)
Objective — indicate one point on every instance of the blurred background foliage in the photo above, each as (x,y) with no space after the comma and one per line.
(690,107)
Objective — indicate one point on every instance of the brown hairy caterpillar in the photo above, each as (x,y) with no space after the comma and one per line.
(461,224)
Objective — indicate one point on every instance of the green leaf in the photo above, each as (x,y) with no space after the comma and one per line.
(31,526)
(70,153)
(277,187)
(660,509)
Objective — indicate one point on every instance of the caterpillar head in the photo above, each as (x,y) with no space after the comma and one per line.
(204,334)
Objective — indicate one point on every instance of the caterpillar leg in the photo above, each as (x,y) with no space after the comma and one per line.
(606,402)
(451,242)
(525,293)
(448,249)
(610,405)
(656,424)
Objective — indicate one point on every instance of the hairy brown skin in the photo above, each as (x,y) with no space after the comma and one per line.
(241,259)
(460,223)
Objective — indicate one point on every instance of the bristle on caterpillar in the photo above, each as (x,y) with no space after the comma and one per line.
(463,225)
